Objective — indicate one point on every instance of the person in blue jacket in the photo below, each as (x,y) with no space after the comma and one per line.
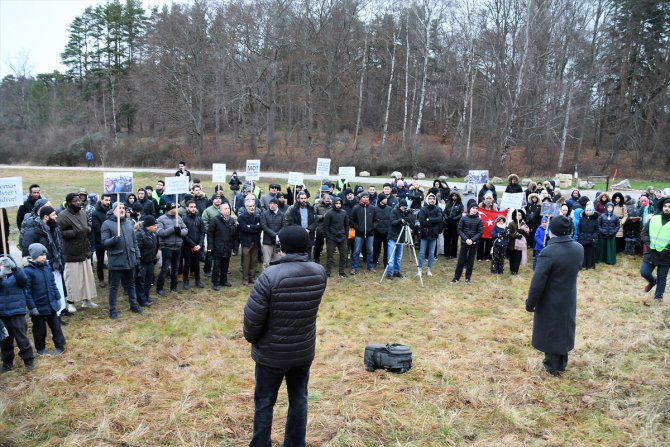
(13,315)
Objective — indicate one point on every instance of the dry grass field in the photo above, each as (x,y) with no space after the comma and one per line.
(181,374)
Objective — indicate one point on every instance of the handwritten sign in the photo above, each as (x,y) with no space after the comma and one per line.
(117,182)
(323,167)
(296,178)
(218,172)
(176,185)
(11,192)
(512,201)
(253,170)
(347,172)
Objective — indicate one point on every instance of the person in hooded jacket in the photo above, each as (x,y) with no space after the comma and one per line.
(575,195)
(608,223)
(453,211)
(148,208)
(587,235)
(30,220)
(97,218)
(470,229)
(501,241)
(486,188)
(600,202)
(622,213)
(518,247)
(656,235)
(147,243)
(430,220)
(170,233)
(13,305)
(415,195)
(362,219)
(531,189)
(41,290)
(400,216)
(382,222)
(513,186)
(533,214)
(336,229)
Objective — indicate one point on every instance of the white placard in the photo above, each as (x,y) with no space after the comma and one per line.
(296,178)
(117,182)
(253,170)
(347,172)
(323,167)
(478,177)
(11,192)
(176,185)
(218,172)
(512,201)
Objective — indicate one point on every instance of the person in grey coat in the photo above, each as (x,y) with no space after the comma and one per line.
(553,296)
(123,255)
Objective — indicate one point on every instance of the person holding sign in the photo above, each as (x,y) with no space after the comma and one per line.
(170,231)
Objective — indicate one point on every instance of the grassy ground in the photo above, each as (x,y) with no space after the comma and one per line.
(181,375)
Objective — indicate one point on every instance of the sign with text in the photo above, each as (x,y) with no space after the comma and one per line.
(117,182)
(512,201)
(253,170)
(323,167)
(551,209)
(296,178)
(478,177)
(347,172)
(11,192)
(218,172)
(176,185)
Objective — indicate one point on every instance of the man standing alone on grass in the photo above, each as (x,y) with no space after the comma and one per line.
(553,296)
(280,323)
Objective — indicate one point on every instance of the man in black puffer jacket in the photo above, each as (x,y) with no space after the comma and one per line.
(98,217)
(336,229)
(470,229)
(430,224)
(280,323)
(382,223)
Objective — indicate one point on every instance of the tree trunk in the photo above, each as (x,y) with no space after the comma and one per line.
(360,90)
(407,50)
(424,73)
(388,97)
(566,123)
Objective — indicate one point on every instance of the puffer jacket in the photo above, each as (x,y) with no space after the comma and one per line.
(12,297)
(415,197)
(40,288)
(382,219)
(608,223)
(51,239)
(336,225)
(271,223)
(122,254)
(362,219)
(222,236)
(75,229)
(147,243)
(430,220)
(280,315)
(471,227)
(148,207)
(165,232)
(588,229)
(398,220)
(98,216)
(453,211)
(196,231)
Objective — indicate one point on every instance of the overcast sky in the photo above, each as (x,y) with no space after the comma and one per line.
(38,29)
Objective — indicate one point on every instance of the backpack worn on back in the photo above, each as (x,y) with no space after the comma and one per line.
(394,358)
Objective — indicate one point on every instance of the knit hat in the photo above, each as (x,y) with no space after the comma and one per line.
(472,203)
(46,211)
(40,203)
(402,202)
(149,221)
(545,218)
(589,207)
(36,249)
(365,194)
(293,239)
(347,191)
(273,200)
(560,226)
(136,208)
(381,196)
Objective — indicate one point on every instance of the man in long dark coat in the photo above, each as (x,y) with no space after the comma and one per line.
(553,296)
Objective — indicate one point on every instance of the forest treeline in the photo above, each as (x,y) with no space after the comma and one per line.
(435,85)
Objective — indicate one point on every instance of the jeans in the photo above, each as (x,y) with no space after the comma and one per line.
(395,257)
(268,381)
(40,323)
(427,250)
(128,278)
(358,246)
(647,269)
(145,276)
(170,262)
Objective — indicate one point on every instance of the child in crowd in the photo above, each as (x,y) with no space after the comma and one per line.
(540,239)
(500,235)
(13,315)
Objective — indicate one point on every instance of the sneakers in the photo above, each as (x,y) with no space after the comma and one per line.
(353,272)
(70,308)
(388,276)
(343,274)
(88,304)
(648,287)
(397,275)
(186,286)
(245,283)
(43,353)
(136,310)
(113,315)
(216,288)
(199,285)
(162,293)
(455,281)
(227,284)
(467,280)
(102,284)
(58,351)
(428,272)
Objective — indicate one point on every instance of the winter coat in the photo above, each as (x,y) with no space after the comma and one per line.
(348,205)
(588,229)
(398,220)
(122,254)
(470,227)
(540,238)
(336,225)
(25,209)
(534,214)
(453,211)
(321,211)
(40,288)
(148,207)
(500,236)
(12,297)
(415,197)
(147,243)
(196,231)
(250,229)
(609,224)
(553,293)
(430,219)
(98,216)
(210,213)
(271,223)
(655,257)
(75,229)
(280,315)
(234,183)
(621,212)
(51,239)
(165,232)
(362,219)
(486,188)
(292,217)
(382,219)
(513,188)
(222,236)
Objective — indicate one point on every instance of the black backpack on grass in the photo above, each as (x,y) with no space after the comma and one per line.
(393,358)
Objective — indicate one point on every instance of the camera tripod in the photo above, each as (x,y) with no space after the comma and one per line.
(406,236)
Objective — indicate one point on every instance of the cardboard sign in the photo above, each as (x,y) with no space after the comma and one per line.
(323,167)
(11,192)
(117,182)
(218,172)
(253,170)
(176,185)
(296,178)
(512,201)
(551,209)
(347,172)
(478,177)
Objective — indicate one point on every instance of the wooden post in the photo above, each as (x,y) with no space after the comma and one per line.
(176,204)
(118,216)
(2,230)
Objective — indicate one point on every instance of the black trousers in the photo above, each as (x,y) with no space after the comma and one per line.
(484,249)
(589,257)
(381,240)
(170,262)
(514,261)
(319,242)
(18,330)
(100,262)
(451,240)
(145,277)
(342,248)
(220,270)
(208,263)
(555,363)
(191,264)
(128,278)
(268,381)
(40,323)
(466,259)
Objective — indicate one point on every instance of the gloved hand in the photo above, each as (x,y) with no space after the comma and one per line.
(3,333)
(33,312)
(116,239)
(177,230)
(8,263)
(530,307)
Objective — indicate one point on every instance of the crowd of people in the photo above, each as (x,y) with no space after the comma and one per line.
(194,236)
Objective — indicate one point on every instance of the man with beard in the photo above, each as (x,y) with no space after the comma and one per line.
(430,220)
(321,209)
(382,223)
(160,196)
(147,243)
(302,214)
(222,237)
(170,240)
(211,213)
(362,219)
(250,232)
(78,273)
(145,202)
(97,219)
(282,206)
(656,235)
(336,230)
(194,245)
(200,199)
(271,222)
(123,255)
(33,196)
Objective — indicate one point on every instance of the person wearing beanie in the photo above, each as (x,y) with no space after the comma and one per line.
(336,230)
(453,211)
(13,305)
(470,230)
(656,236)
(588,232)
(552,296)
(170,233)
(608,223)
(362,219)
(272,222)
(430,221)
(324,205)
(540,238)
(381,223)
(43,295)
(147,244)
(280,323)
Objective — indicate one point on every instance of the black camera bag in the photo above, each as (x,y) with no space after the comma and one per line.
(394,358)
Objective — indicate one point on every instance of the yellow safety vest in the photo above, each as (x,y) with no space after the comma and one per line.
(659,234)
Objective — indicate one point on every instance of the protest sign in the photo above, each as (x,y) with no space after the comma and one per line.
(218,172)
(347,172)
(11,192)
(117,182)
(478,177)
(512,201)
(176,185)
(296,178)
(253,170)
(551,209)
(323,167)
